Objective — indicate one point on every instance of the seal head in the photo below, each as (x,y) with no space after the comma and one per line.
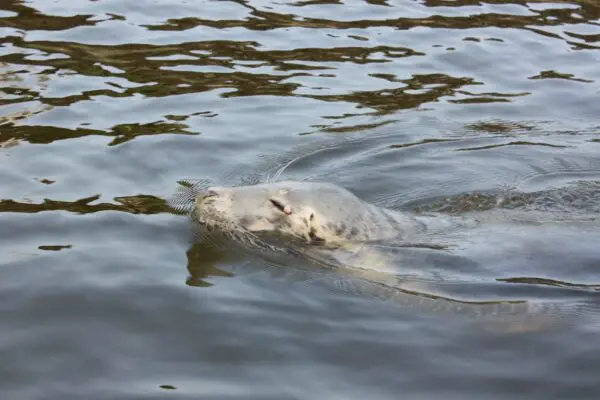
(318,213)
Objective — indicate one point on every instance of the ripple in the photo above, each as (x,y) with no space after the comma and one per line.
(517,143)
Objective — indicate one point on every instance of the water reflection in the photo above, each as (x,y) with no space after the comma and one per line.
(252,68)
(509,314)
(140,204)
(423,106)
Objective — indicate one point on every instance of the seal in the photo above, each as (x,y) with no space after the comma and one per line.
(314,212)
(336,228)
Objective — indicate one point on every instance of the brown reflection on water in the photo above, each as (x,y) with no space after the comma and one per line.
(31,19)
(139,64)
(549,282)
(266,20)
(150,67)
(121,133)
(387,101)
(513,143)
(54,247)
(558,75)
(202,261)
(243,68)
(140,204)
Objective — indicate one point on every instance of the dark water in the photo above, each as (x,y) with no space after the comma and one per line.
(107,104)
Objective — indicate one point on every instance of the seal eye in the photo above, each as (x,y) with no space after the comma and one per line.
(285,209)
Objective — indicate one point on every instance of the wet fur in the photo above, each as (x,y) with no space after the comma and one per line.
(320,213)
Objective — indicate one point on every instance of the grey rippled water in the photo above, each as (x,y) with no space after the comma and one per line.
(425,105)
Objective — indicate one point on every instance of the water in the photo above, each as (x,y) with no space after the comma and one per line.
(107,104)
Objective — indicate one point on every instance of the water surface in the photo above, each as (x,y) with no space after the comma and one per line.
(107,104)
